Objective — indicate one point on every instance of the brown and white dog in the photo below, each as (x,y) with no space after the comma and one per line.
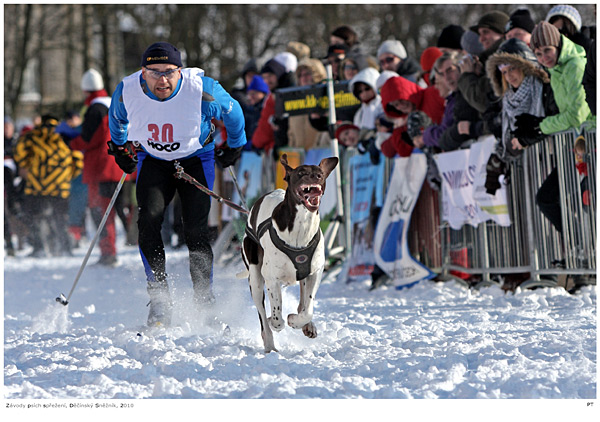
(284,245)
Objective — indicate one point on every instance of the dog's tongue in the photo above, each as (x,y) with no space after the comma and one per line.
(312,196)
(314,200)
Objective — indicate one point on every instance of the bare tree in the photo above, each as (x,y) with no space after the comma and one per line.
(17,37)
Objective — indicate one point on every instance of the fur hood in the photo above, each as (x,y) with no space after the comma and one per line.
(517,54)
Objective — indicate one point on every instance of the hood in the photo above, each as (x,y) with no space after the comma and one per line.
(398,88)
(316,67)
(367,76)
(515,53)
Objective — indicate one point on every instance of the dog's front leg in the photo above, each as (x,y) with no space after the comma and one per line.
(257,284)
(308,291)
(274,291)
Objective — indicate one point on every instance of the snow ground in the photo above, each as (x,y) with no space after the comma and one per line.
(431,341)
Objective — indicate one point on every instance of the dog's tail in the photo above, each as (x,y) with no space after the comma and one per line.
(243,274)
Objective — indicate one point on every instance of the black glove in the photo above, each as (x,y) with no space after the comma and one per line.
(494,168)
(374,153)
(362,146)
(416,123)
(528,126)
(226,156)
(125,156)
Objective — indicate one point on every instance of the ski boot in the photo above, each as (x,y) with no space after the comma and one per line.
(161,306)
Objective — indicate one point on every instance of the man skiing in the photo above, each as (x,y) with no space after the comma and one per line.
(167,110)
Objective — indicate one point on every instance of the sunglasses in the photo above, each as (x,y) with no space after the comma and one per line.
(387,60)
(155,74)
(350,67)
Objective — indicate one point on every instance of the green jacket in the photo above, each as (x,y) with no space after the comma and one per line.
(565,79)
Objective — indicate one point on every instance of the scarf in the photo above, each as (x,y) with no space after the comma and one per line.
(367,114)
(527,98)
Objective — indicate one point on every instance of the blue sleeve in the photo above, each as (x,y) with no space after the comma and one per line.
(117,117)
(227,109)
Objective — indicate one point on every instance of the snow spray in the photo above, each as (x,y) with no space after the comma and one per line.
(51,320)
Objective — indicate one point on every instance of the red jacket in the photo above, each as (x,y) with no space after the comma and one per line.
(264,137)
(98,166)
(427,100)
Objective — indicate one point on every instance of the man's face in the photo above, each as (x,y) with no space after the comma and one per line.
(162,86)
(519,34)
(255,97)
(450,73)
(487,37)
(271,80)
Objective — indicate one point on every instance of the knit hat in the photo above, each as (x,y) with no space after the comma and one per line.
(298,49)
(91,81)
(288,60)
(566,11)
(273,66)
(258,84)
(450,37)
(428,58)
(471,44)
(545,34)
(495,20)
(343,126)
(161,52)
(520,18)
(394,47)
(250,66)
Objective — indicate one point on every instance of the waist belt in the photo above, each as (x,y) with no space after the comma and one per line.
(300,257)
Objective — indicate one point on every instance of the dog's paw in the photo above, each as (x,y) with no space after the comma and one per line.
(310,330)
(298,321)
(276,323)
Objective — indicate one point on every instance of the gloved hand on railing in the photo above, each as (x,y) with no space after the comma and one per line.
(527,128)
(494,168)
(125,156)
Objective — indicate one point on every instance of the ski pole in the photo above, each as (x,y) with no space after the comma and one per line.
(237,186)
(65,300)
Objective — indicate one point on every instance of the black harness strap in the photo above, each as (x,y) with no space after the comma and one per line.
(300,257)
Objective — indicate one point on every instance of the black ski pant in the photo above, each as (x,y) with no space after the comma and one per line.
(548,200)
(155,189)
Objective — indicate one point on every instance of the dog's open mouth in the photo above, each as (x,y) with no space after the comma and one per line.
(311,196)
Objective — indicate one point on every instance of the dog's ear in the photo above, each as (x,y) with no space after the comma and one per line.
(328,164)
(288,169)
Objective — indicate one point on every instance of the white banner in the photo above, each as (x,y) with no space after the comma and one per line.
(464,199)
(391,246)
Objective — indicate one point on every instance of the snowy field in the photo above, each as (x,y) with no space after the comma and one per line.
(432,341)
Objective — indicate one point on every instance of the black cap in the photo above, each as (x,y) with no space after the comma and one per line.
(274,67)
(520,18)
(161,52)
(450,37)
(336,49)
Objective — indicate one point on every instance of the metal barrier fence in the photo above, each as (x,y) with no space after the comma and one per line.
(531,244)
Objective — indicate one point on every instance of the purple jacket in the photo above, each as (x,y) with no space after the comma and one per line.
(433,133)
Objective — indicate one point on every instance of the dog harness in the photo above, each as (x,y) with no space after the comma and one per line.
(300,257)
